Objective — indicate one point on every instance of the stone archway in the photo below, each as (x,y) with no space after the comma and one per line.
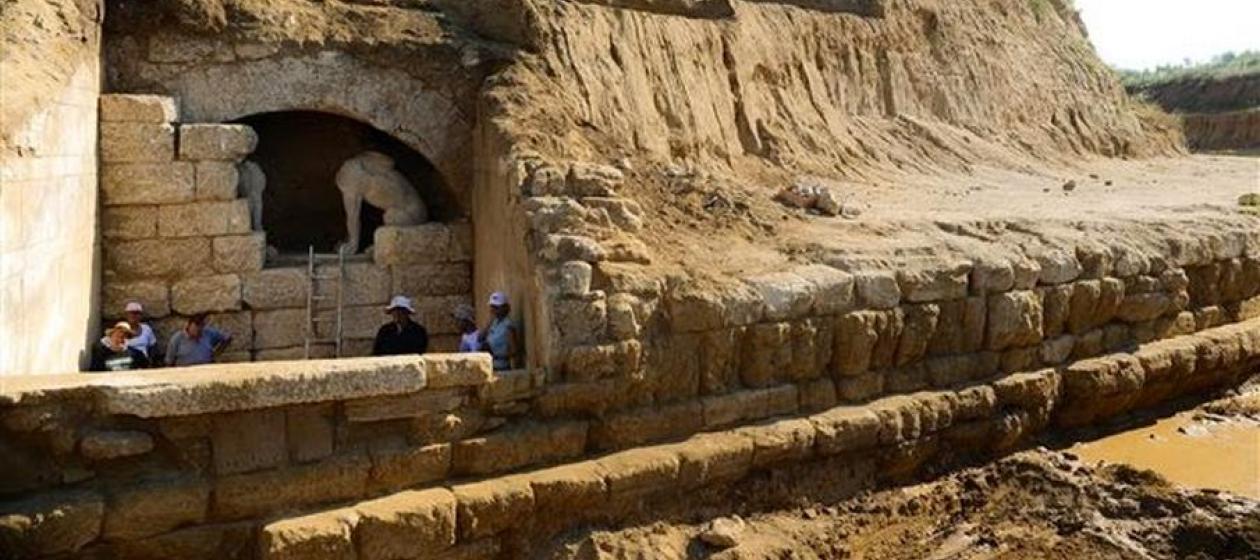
(300,153)
(419,114)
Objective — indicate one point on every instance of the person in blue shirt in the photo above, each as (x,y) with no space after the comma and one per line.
(196,343)
(502,337)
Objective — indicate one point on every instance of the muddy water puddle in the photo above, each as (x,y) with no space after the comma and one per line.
(1190,449)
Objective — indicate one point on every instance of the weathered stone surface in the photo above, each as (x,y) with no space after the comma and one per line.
(403,406)
(1015,319)
(151,509)
(402,467)
(833,290)
(569,489)
(129,222)
(926,282)
(364,284)
(206,294)
(784,295)
(1137,308)
(1057,266)
(309,432)
(486,508)
(460,371)
(1056,303)
(592,179)
(247,441)
(319,536)
(1095,258)
(204,219)
(216,180)
(920,326)
(103,445)
(636,427)
(220,142)
(250,495)
(856,335)
(519,446)
(128,142)
(147,183)
(845,429)
(275,288)
(713,457)
(131,107)
(724,410)
(877,290)
(396,526)
(153,296)
(1057,350)
(206,541)
(992,275)
(575,278)
(432,279)
(239,253)
(779,441)
(639,472)
(283,328)
(51,523)
(422,244)
(818,394)
(151,258)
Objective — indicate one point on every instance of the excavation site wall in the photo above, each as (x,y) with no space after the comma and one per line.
(51,72)
(381,458)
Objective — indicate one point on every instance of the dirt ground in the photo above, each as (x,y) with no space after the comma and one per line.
(711,224)
(1036,504)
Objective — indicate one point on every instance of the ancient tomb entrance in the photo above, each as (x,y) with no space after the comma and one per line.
(300,153)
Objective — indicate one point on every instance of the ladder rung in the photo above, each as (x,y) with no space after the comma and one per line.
(323,341)
(321,298)
(325,277)
(322,319)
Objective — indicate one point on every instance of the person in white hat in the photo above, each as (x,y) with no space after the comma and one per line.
(143,339)
(402,335)
(111,353)
(501,337)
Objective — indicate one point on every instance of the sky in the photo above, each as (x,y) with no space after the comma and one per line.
(1140,34)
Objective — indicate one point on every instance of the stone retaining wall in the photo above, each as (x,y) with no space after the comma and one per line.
(178,240)
(124,457)
(194,463)
(888,439)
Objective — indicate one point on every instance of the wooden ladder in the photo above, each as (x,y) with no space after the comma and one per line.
(313,299)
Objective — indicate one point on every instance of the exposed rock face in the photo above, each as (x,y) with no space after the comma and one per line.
(1217,113)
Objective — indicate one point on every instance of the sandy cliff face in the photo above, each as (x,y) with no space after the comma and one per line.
(927,84)
(1217,113)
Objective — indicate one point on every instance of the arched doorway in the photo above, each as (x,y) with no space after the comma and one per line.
(300,153)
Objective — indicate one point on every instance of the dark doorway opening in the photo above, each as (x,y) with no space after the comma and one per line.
(301,151)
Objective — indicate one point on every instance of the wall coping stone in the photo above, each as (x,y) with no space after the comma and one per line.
(247,386)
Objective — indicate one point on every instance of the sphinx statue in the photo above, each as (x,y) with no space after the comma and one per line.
(371,177)
(251,185)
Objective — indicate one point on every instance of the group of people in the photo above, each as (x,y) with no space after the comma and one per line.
(500,338)
(131,344)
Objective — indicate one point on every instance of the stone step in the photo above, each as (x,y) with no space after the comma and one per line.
(478,519)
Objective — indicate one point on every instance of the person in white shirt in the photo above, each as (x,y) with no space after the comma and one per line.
(142,338)
(469,336)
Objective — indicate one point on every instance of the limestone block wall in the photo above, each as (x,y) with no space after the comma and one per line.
(371,458)
(178,240)
(648,356)
(176,235)
(49,270)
